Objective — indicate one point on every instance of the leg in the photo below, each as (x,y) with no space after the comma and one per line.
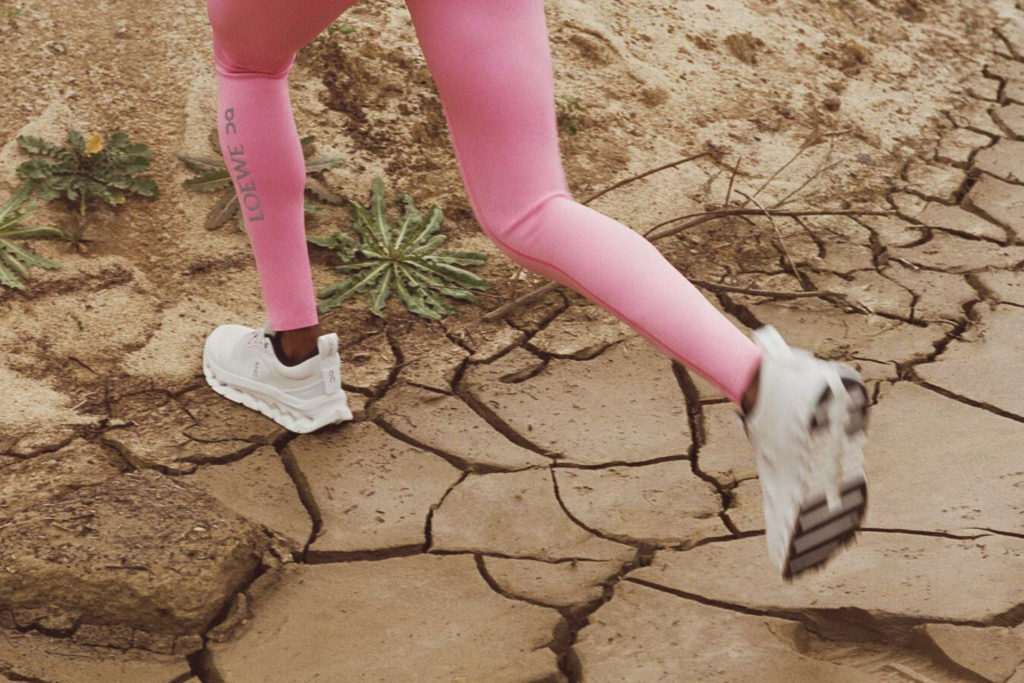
(492,65)
(254,45)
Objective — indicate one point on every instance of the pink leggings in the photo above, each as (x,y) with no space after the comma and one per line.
(491,62)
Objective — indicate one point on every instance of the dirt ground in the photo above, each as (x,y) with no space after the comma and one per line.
(542,497)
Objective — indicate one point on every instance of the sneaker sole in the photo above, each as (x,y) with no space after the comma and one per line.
(820,533)
(291,418)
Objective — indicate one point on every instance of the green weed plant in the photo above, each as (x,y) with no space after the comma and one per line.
(212,176)
(15,258)
(403,259)
(85,172)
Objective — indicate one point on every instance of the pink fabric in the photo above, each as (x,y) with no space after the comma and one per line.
(491,62)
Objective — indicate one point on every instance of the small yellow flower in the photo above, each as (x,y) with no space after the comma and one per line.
(95,144)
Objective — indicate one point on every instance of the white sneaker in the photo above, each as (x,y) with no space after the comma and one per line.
(239,363)
(807,427)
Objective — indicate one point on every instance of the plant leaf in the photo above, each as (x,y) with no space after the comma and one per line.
(460,276)
(379,296)
(458,258)
(211,181)
(32,232)
(427,247)
(321,191)
(14,203)
(29,257)
(8,279)
(323,163)
(200,164)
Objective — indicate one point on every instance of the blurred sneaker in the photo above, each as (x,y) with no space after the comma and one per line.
(807,427)
(240,364)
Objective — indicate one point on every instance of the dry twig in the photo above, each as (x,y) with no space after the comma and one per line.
(632,179)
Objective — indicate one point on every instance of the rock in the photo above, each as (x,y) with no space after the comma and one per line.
(419,618)
(516,515)
(958,144)
(557,584)
(372,492)
(884,577)
(157,436)
(726,453)
(939,296)
(986,494)
(955,220)
(746,509)
(581,332)
(660,505)
(175,555)
(33,657)
(367,364)
(430,359)
(33,482)
(1006,286)
(583,413)
(258,488)
(934,181)
(999,200)
(966,366)
(1011,117)
(1005,160)
(643,634)
(993,653)
(447,424)
(956,255)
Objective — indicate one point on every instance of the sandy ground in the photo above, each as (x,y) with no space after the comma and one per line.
(542,497)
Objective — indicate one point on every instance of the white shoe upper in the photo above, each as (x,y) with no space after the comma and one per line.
(240,363)
(796,463)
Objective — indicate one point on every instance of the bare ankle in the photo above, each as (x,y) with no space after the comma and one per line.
(295,346)
(749,397)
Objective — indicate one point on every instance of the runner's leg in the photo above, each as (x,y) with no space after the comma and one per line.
(254,46)
(491,62)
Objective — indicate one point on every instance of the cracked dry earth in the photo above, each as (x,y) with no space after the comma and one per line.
(548,498)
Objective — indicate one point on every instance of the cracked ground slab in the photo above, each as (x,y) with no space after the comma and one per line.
(966,367)
(663,504)
(425,618)
(516,514)
(582,412)
(917,569)
(989,474)
(176,555)
(376,499)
